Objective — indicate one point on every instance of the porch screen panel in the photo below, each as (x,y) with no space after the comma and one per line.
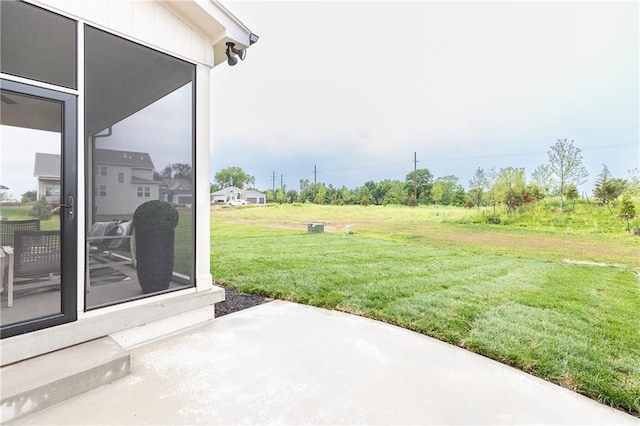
(37,44)
(139,117)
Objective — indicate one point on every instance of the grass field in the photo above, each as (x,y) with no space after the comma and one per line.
(561,304)
(21,212)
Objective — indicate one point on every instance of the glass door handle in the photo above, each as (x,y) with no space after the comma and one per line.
(69,206)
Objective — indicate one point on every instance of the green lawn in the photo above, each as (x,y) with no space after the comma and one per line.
(564,307)
(21,212)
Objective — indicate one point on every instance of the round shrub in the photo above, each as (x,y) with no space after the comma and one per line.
(41,209)
(155,215)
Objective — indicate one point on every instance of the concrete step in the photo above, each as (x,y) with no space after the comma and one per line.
(41,382)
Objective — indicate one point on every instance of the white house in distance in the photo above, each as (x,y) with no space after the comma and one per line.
(117,83)
(176,191)
(46,169)
(123,180)
(232,194)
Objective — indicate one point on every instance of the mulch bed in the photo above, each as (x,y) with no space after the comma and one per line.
(237,301)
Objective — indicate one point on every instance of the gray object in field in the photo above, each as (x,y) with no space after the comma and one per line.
(315,227)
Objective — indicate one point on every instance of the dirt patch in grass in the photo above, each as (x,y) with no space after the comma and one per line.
(302,226)
(517,241)
(527,242)
(585,262)
(592,252)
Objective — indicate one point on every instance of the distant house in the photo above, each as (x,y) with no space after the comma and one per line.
(232,193)
(47,171)
(176,191)
(123,180)
(255,197)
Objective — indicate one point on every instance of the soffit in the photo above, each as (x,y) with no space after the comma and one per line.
(214,21)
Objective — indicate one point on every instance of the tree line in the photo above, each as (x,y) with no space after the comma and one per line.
(509,187)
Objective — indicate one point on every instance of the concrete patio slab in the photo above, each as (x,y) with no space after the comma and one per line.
(284,363)
(47,380)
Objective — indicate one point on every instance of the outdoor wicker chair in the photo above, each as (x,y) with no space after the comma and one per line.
(9,227)
(34,261)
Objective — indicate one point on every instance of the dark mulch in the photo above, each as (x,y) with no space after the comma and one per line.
(237,301)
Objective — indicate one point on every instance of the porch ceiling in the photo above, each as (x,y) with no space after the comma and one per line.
(124,77)
(32,113)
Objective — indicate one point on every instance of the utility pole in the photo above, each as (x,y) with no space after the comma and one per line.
(315,188)
(281,188)
(415,177)
(273,179)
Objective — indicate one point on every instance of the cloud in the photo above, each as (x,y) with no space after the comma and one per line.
(19,147)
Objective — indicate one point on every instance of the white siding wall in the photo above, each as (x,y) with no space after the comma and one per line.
(142,173)
(124,202)
(41,189)
(143,20)
(122,198)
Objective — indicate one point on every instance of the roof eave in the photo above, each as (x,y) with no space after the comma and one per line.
(216,23)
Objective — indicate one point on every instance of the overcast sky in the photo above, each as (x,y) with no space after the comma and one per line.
(355,88)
